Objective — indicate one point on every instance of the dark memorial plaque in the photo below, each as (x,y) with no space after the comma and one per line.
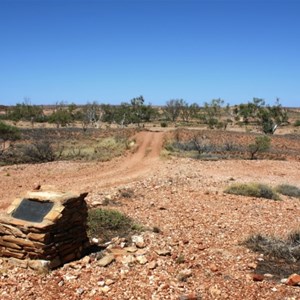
(32,211)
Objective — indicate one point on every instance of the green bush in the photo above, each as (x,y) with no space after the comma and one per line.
(108,223)
(253,190)
(297,123)
(164,124)
(288,190)
(288,249)
(261,144)
(8,132)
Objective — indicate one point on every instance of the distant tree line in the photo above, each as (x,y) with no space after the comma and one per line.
(215,114)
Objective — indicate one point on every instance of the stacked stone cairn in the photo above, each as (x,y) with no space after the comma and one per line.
(60,236)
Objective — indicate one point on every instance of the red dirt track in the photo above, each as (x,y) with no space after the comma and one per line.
(82,176)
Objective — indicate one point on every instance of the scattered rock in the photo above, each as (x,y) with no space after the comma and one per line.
(258,277)
(215,291)
(252,265)
(70,277)
(36,186)
(184,274)
(293,280)
(109,282)
(128,260)
(106,260)
(152,265)
(131,249)
(284,280)
(101,283)
(213,267)
(142,259)
(189,297)
(105,289)
(95,241)
(163,252)
(86,260)
(79,291)
(138,240)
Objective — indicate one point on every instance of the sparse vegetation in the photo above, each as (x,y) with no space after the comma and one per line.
(288,249)
(180,259)
(39,151)
(297,123)
(288,190)
(26,112)
(44,145)
(252,190)
(108,223)
(267,117)
(261,144)
(8,132)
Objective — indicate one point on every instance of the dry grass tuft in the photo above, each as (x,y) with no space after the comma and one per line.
(253,190)
(288,249)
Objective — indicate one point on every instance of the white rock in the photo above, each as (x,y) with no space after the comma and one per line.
(106,260)
(138,240)
(105,289)
(80,291)
(142,259)
(70,277)
(95,240)
(284,280)
(101,283)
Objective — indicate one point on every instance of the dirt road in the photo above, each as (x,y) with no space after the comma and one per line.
(83,176)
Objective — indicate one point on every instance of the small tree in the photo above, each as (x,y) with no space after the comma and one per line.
(261,144)
(267,117)
(91,114)
(201,143)
(188,111)
(8,133)
(213,112)
(172,109)
(137,105)
(62,115)
(271,117)
(26,111)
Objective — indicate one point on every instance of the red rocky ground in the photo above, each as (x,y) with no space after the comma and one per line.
(195,255)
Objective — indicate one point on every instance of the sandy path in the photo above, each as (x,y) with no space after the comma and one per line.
(83,176)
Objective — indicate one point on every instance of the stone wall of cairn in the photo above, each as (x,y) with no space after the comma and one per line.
(60,238)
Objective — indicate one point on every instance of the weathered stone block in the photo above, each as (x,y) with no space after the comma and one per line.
(10,245)
(18,241)
(6,229)
(56,236)
(39,237)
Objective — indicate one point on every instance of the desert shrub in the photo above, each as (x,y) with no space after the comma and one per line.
(126,193)
(164,124)
(108,223)
(39,151)
(109,148)
(253,190)
(297,123)
(288,249)
(8,132)
(230,146)
(261,144)
(101,149)
(288,190)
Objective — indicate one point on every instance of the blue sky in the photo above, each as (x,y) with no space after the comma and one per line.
(111,51)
